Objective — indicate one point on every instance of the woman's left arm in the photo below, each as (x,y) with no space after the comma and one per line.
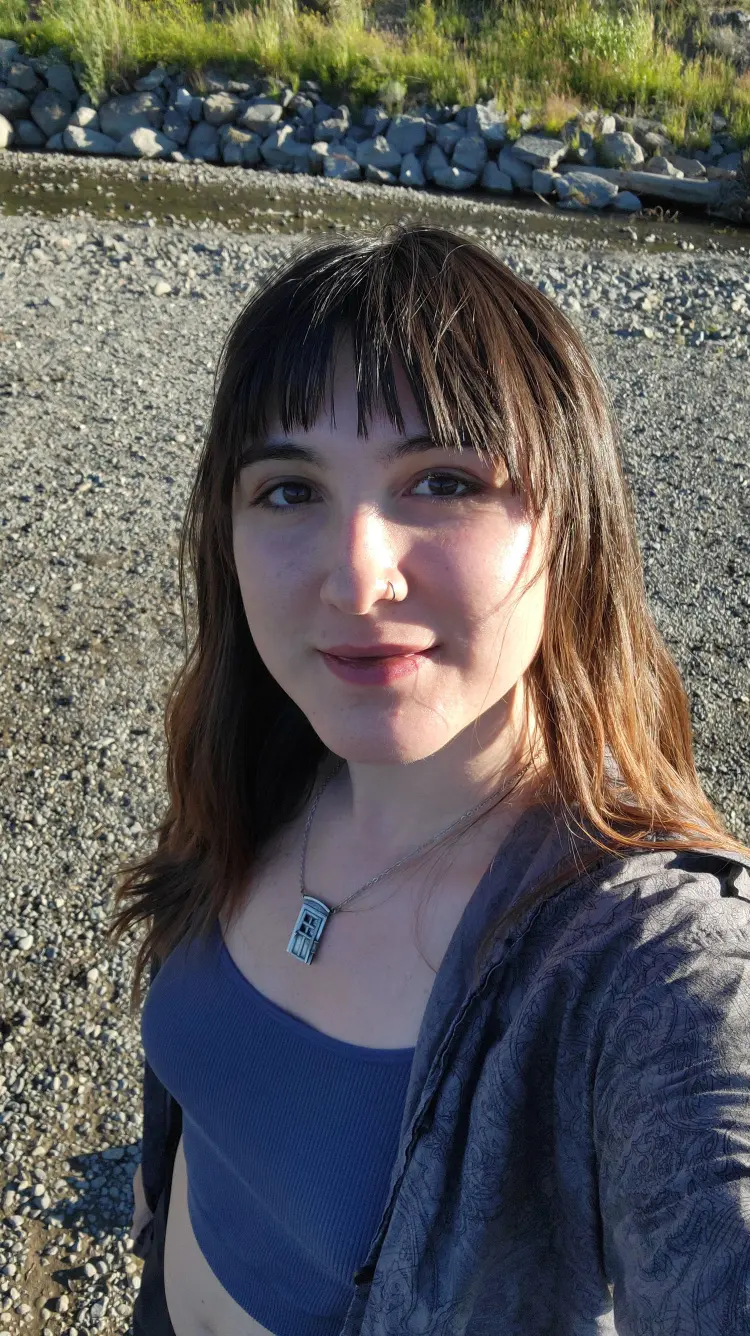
(672,1131)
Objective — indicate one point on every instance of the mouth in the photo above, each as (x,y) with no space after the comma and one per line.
(377,669)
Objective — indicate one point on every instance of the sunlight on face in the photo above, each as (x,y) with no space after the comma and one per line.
(313,563)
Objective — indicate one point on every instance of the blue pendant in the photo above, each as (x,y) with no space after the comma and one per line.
(308,929)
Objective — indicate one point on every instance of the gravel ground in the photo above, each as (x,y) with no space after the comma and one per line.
(104,390)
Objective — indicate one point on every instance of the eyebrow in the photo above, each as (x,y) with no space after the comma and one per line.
(256,453)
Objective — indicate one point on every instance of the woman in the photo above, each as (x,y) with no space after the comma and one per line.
(503,1089)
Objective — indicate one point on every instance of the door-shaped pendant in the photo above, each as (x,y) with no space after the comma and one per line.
(308,929)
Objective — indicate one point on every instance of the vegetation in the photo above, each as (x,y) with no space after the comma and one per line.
(548,57)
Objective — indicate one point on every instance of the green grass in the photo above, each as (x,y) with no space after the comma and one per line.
(550,57)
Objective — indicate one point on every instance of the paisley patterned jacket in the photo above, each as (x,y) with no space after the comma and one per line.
(574,1155)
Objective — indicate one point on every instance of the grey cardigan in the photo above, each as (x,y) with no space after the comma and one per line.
(574,1155)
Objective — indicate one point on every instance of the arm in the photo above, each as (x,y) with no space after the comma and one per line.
(672,1129)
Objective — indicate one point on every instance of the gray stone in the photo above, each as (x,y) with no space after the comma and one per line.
(28,135)
(8,53)
(177,126)
(21,76)
(411,173)
(13,105)
(262,118)
(407,133)
(730,162)
(448,135)
(488,121)
(433,161)
(493,179)
(144,142)
(79,139)
(590,191)
(281,150)
(380,177)
(620,150)
(688,166)
(60,77)
(605,124)
(322,111)
(152,80)
(539,151)
(204,142)
(655,143)
(519,172)
(334,127)
(543,182)
(663,166)
(86,117)
(222,109)
(51,111)
(56,143)
(454,178)
(188,103)
(131,111)
(626,202)
(239,148)
(470,153)
(6,133)
(378,152)
(341,166)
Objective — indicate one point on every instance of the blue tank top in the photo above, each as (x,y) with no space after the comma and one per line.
(289,1137)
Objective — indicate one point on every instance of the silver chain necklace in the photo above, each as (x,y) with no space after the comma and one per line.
(314,914)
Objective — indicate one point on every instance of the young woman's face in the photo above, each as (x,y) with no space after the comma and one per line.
(315,544)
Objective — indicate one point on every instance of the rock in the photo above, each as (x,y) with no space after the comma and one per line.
(454,178)
(626,202)
(605,124)
(190,105)
(653,142)
(281,150)
(176,125)
(470,153)
(730,161)
(21,76)
(378,152)
(28,135)
(379,176)
(341,166)
(375,119)
(222,108)
(239,148)
(663,166)
(519,171)
(448,135)
(493,179)
(543,182)
(13,104)
(590,191)
(56,143)
(333,127)
(538,151)
(262,118)
(51,111)
(620,150)
(60,78)
(79,139)
(130,111)
(203,142)
(433,161)
(152,80)
(407,133)
(6,133)
(144,142)
(411,173)
(322,111)
(488,121)
(688,166)
(86,117)
(8,53)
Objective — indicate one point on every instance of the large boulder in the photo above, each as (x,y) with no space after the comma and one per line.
(626,202)
(281,150)
(489,121)
(620,150)
(239,148)
(260,117)
(204,142)
(13,104)
(378,152)
(177,126)
(520,172)
(470,153)
(448,135)
(411,173)
(662,165)
(590,191)
(21,76)
(332,128)
(341,166)
(454,178)
(79,139)
(146,143)
(539,151)
(60,78)
(6,133)
(407,133)
(131,111)
(433,161)
(222,108)
(495,180)
(86,117)
(51,111)
(28,135)
(8,53)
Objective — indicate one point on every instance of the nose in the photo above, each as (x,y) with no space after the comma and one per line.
(362,559)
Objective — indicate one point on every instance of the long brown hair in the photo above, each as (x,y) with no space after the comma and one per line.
(491,361)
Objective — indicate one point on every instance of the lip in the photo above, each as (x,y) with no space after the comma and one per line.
(382,671)
(386,650)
